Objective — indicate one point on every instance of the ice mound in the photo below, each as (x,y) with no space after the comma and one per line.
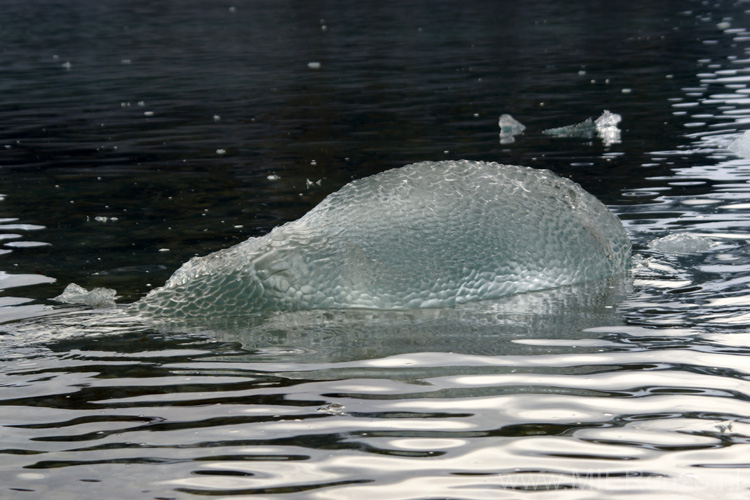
(431,234)
(681,243)
(741,145)
(97,298)
(509,128)
(605,127)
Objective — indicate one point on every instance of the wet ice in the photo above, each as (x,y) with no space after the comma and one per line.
(509,128)
(605,127)
(432,234)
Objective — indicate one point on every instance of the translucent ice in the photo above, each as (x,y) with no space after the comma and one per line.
(509,127)
(681,243)
(585,129)
(98,297)
(605,127)
(430,234)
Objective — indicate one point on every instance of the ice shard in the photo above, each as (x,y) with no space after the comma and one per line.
(431,234)
(97,298)
(605,127)
(509,128)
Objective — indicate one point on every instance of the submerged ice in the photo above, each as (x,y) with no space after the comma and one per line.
(431,234)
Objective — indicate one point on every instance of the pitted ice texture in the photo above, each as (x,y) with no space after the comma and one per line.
(431,234)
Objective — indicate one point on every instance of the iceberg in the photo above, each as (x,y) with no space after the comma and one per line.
(605,127)
(427,235)
(509,128)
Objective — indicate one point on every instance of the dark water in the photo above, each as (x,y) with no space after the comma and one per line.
(138,134)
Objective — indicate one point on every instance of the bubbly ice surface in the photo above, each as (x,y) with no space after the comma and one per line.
(431,234)
(97,298)
(681,243)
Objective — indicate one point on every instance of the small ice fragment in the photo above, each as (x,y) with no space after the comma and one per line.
(741,145)
(509,127)
(141,103)
(606,127)
(124,61)
(232,9)
(101,218)
(585,129)
(608,119)
(217,118)
(314,65)
(273,177)
(221,151)
(723,25)
(627,91)
(681,243)
(164,249)
(67,65)
(333,409)
(148,113)
(97,298)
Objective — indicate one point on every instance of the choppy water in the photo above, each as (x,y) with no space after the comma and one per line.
(136,135)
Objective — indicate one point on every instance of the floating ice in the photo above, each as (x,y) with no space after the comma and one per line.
(681,243)
(741,145)
(103,219)
(509,127)
(586,129)
(430,234)
(605,127)
(98,297)
(314,65)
